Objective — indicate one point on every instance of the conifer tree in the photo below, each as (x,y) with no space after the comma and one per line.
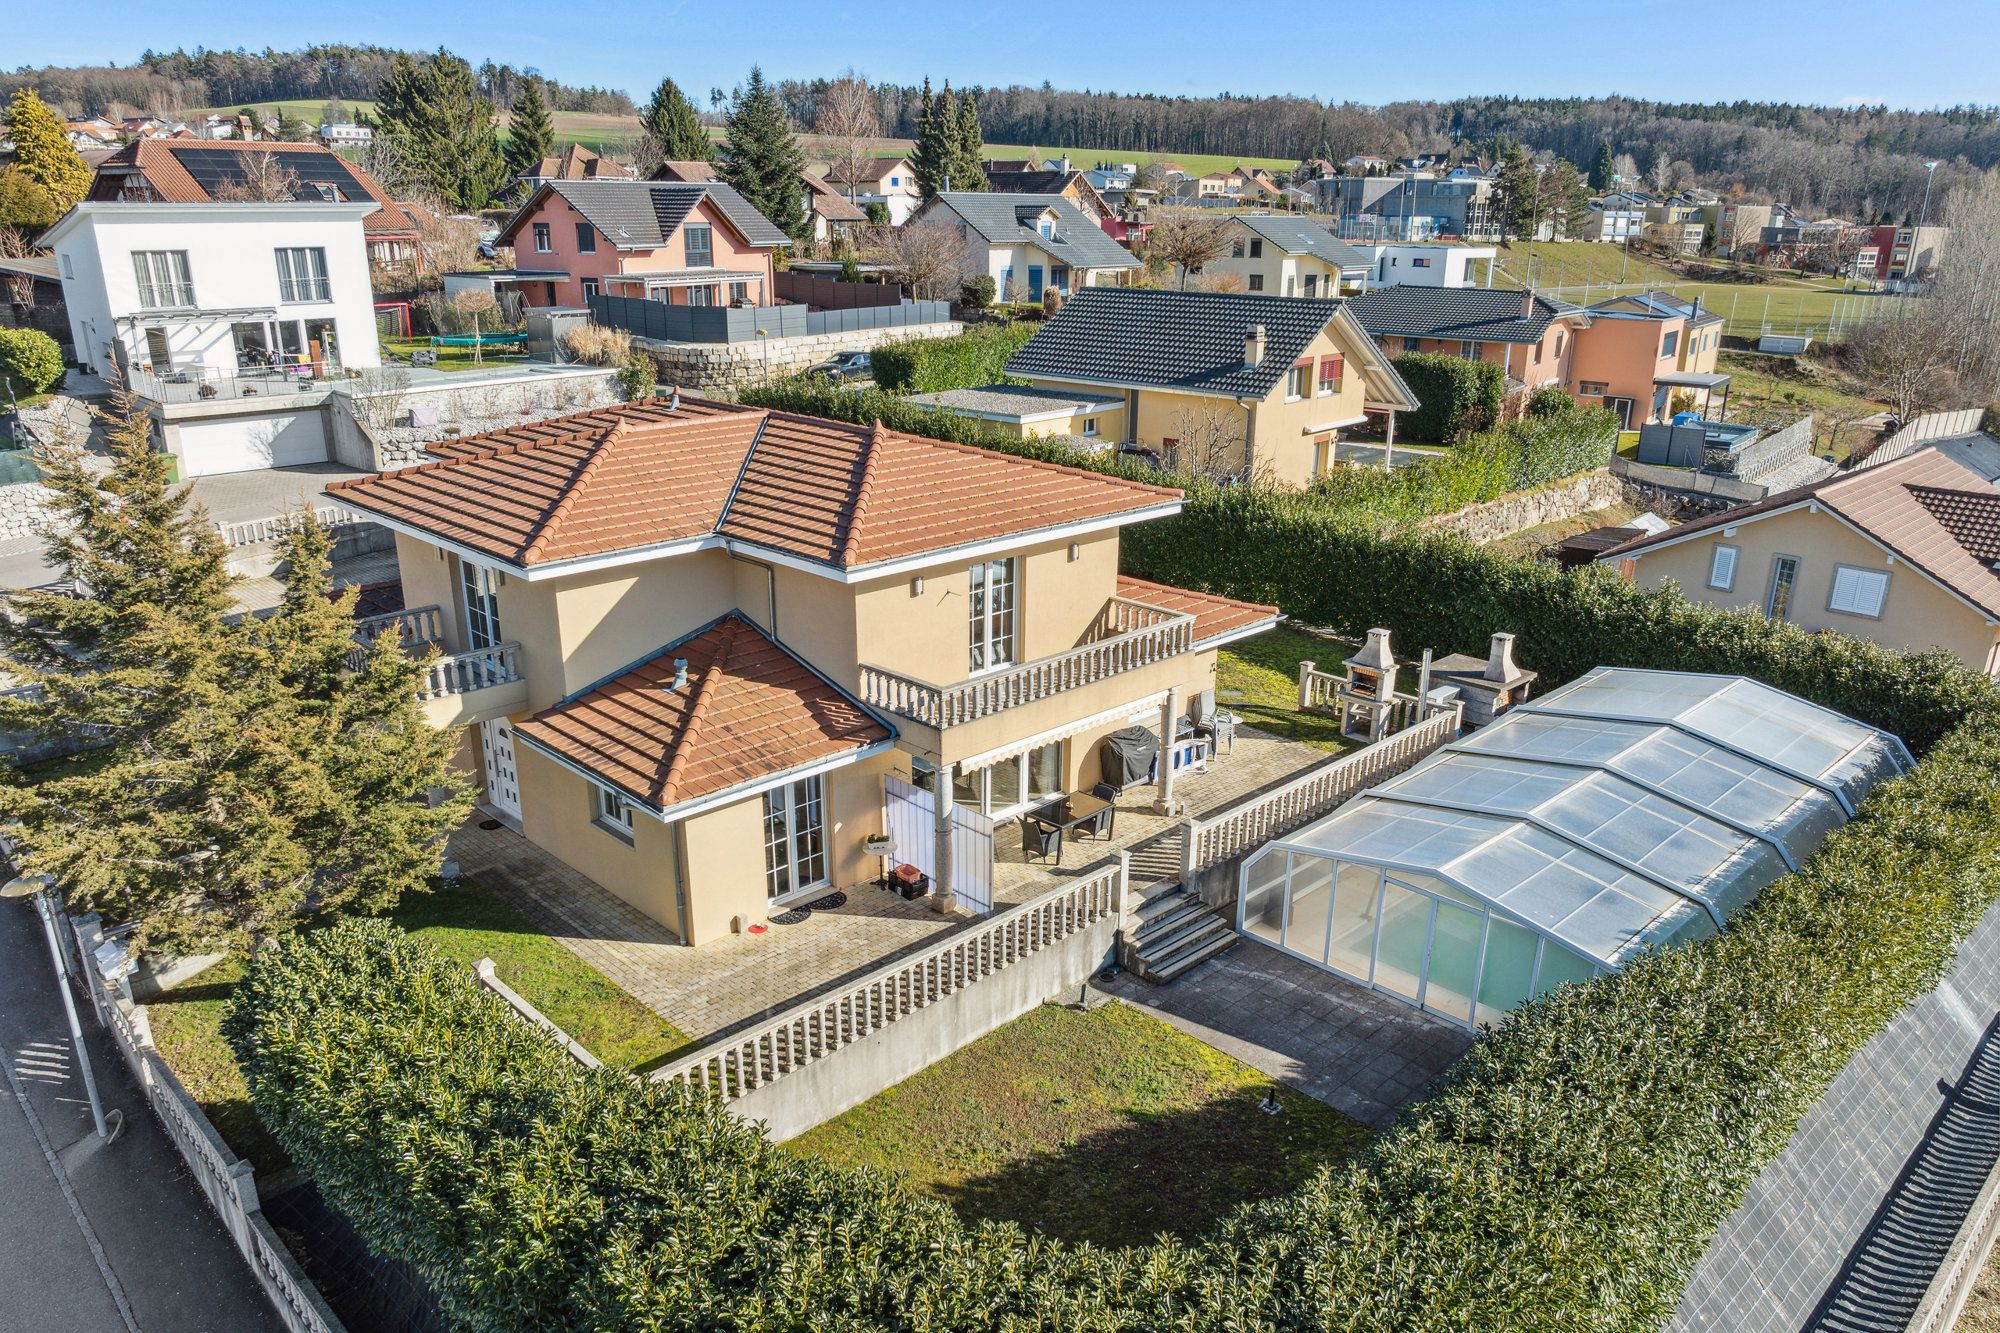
(432,114)
(926,166)
(42,151)
(968,170)
(242,779)
(673,127)
(292,128)
(764,158)
(531,134)
(1602,167)
(936,155)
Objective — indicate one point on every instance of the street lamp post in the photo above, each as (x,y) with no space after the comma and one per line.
(1923,216)
(38,887)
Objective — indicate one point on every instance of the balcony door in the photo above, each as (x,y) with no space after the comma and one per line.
(478,588)
(991,610)
(794,840)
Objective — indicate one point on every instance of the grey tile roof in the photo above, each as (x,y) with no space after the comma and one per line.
(1011,400)
(1302,236)
(1078,241)
(1173,340)
(640,215)
(1470,314)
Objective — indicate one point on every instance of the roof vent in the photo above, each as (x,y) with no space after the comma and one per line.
(680,675)
(1253,346)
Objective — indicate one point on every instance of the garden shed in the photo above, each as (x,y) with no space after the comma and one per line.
(1628,809)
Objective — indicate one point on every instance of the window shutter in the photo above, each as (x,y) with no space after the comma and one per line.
(1722,570)
(1859,592)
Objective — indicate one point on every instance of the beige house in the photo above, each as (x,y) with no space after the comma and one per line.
(1902,552)
(1282,254)
(703,653)
(1219,383)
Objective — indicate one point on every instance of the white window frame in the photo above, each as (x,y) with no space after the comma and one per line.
(1858,576)
(1299,382)
(1089,427)
(992,630)
(479,589)
(1716,579)
(1779,562)
(163,279)
(544,234)
(980,781)
(611,811)
(707,247)
(794,813)
(302,277)
(1471,351)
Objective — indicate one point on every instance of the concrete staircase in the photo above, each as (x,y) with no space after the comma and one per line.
(1176,932)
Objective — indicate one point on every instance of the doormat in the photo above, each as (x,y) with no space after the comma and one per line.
(791,917)
(490,824)
(832,902)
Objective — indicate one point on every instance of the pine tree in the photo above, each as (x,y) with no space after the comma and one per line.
(764,157)
(42,152)
(242,780)
(968,161)
(531,134)
(674,128)
(432,114)
(292,128)
(1515,179)
(1602,167)
(927,160)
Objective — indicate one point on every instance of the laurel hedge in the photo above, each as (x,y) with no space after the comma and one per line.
(1454,393)
(968,360)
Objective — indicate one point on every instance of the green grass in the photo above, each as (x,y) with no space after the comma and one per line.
(1266,672)
(448,358)
(468,923)
(1777,389)
(1108,1126)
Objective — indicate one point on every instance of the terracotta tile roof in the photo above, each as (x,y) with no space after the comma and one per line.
(164,165)
(749,710)
(642,474)
(1214,615)
(577,163)
(1927,507)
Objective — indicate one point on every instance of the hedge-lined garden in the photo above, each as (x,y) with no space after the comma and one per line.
(1567,1174)
(1455,394)
(968,360)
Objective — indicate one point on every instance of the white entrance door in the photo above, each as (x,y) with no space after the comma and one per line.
(503,785)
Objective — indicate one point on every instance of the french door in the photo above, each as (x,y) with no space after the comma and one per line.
(479,586)
(991,607)
(794,839)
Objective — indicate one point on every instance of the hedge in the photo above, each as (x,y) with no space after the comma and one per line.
(967,360)
(1454,392)
(1566,1174)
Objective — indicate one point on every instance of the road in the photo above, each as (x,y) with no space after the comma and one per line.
(96,1237)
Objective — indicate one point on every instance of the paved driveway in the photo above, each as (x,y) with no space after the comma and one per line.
(1355,1049)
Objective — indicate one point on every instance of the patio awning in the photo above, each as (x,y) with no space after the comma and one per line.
(1687,379)
(688,277)
(199,316)
(1145,710)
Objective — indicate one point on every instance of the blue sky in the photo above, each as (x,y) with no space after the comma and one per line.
(1826,51)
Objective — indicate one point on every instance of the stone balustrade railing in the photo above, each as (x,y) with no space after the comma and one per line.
(462,673)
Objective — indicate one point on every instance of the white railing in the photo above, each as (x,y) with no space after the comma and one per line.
(1127,636)
(417,625)
(1319,691)
(1944,1299)
(1213,839)
(462,673)
(484,972)
(259,531)
(814,1030)
(227,1181)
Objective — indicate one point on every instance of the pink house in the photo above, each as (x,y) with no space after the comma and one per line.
(685,243)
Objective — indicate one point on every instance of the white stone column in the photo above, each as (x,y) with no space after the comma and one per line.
(1170,709)
(942,896)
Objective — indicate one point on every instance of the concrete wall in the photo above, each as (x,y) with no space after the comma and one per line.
(723,368)
(820,1090)
(371,427)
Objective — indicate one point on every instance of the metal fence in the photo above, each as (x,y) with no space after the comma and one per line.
(832,293)
(732,324)
(227,1181)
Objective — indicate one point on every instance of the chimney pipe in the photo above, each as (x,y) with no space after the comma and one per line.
(1527,303)
(680,674)
(1500,659)
(1253,346)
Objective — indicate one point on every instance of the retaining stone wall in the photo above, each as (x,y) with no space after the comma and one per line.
(1579,495)
(722,368)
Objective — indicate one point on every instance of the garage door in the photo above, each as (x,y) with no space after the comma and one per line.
(244,444)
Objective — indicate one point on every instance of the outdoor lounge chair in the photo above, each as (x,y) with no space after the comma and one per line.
(1099,824)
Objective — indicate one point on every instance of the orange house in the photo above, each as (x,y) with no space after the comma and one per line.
(1642,353)
(1529,336)
(684,243)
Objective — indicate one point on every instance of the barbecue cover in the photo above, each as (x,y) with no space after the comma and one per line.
(1128,756)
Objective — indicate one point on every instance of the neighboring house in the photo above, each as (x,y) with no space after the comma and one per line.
(93,132)
(575,163)
(826,208)
(1902,253)
(1905,553)
(889,181)
(1361,164)
(1219,382)
(674,241)
(1530,336)
(1029,413)
(1281,254)
(1674,225)
(1029,243)
(1428,265)
(1005,164)
(197,171)
(1412,206)
(339,134)
(31,296)
(1616,219)
(1074,186)
(720,639)
(1639,353)
(1732,230)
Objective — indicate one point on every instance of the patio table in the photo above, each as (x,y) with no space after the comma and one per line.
(1072,810)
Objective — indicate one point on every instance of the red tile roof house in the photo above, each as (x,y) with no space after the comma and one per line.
(695,643)
(685,243)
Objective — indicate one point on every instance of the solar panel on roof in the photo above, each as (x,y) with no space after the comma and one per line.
(216,169)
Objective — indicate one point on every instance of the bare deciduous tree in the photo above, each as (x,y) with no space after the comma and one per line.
(264,181)
(1907,362)
(928,258)
(1188,238)
(1209,442)
(1965,291)
(850,123)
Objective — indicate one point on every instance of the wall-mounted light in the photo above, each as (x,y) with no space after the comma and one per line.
(917,586)
(1075,548)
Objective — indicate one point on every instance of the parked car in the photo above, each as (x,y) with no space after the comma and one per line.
(845,366)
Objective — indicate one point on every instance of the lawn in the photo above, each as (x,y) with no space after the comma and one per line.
(1108,1126)
(1982,1308)
(468,923)
(1266,672)
(1776,388)
(448,358)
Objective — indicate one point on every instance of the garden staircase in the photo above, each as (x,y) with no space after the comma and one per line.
(1177,932)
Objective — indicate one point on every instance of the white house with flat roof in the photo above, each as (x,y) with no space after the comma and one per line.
(1429,265)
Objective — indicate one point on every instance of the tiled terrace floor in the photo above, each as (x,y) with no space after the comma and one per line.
(731,982)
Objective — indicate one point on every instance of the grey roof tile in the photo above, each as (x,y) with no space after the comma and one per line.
(1471,314)
(1302,236)
(640,215)
(1078,242)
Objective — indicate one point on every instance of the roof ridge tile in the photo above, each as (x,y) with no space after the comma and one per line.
(871,453)
(697,707)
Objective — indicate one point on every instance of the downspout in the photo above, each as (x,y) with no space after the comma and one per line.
(770,590)
(1249,406)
